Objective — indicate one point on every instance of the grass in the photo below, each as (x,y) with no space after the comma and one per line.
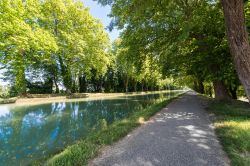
(232,126)
(84,150)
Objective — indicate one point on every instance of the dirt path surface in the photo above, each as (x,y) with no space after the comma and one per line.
(180,135)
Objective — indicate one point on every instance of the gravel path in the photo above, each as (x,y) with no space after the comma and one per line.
(179,135)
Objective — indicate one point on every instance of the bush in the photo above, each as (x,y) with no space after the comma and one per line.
(4,92)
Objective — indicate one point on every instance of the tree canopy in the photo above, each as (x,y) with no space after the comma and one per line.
(187,36)
(48,45)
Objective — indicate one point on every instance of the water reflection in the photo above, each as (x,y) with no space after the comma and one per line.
(30,132)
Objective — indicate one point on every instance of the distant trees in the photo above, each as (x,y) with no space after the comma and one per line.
(138,70)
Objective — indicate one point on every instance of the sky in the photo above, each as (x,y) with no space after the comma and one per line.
(101,12)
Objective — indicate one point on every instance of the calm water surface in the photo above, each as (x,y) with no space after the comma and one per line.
(28,133)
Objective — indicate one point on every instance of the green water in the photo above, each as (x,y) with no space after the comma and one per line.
(29,133)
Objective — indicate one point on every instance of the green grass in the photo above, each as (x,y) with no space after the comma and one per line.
(84,150)
(232,126)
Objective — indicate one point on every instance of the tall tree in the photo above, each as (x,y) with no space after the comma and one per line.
(22,39)
(238,40)
(81,39)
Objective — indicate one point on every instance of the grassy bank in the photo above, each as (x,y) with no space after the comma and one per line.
(232,124)
(84,150)
(8,100)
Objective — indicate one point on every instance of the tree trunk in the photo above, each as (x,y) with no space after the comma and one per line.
(67,78)
(195,86)
(135,86)
(146,87)
(56,85)
(220,90)
(82,84)
(201,87)
(233,91)
(210,90)
(126,84)
(198,86)
(20,82)
(142,86)
(238,40)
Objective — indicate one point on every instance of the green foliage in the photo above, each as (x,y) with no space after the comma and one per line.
(50,45)
(247,13)
(186,37)
(6,97)
(22,38)
(137,67)
(232,122)
(50,33)
(4,92)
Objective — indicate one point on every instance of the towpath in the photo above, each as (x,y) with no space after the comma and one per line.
(181,134)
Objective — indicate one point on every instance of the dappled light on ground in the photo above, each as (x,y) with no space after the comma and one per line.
(177,116)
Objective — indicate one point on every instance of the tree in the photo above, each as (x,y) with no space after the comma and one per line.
(58,39)
(238,40)
(124,63)
(22,37)
(81,39)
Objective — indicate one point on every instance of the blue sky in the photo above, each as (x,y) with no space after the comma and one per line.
(101,12)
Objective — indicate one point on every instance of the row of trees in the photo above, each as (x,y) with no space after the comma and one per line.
(48,45)
(188,38)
